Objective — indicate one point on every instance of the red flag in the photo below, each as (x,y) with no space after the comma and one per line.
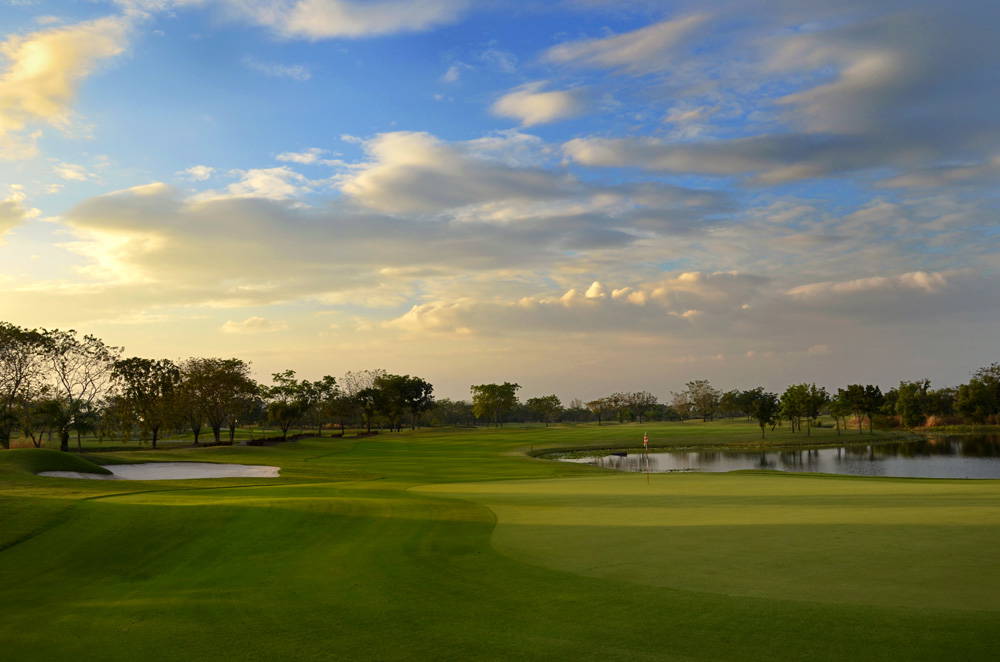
(645,440)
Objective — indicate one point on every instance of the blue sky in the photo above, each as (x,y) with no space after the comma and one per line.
(579,195)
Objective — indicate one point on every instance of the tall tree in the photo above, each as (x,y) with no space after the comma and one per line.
(864,402)
(979,400)
(288,400)
(793,404)
(764,407)
(324,393)
(492,401)
(147,387)
(219,390)
(22,368)
(81,372)
(912,400)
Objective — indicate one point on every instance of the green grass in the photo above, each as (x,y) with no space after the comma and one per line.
(455,545)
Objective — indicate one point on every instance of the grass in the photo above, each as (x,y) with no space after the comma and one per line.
(455,545)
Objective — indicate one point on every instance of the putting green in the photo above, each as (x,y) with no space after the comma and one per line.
(452,545)
(828,539)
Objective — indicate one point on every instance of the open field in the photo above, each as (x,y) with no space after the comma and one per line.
(455,545)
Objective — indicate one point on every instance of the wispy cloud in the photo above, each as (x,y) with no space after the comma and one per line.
(297,72)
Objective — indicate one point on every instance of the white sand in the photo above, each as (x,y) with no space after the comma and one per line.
(173,471)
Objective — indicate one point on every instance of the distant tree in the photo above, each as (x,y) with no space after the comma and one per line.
(601,408)
(639,403)
(839,409)
(803,401)
(147,387)
(979,400)
(545,408)
(22,368)
(38,415)
(445,411)
(911,402)
(81,372)
(681,403)
(941,402)
(217,392)
(492,401)
(816,399)
(730,404)
(288,400)
(863,401)
(325,393)
(703,398)
(793,404)
(764,407)
(368,401)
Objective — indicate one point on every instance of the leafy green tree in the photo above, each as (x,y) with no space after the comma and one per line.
(217,392)
(979,400)
(863,401)
(324,393)
(839,409)
(492,401)
(546,408)
(764,407)
(793,405)
(912,402)
(147,387)
(803,401)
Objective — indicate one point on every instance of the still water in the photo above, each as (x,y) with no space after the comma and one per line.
(966,456)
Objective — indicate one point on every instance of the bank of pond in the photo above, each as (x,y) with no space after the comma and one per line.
(955,456)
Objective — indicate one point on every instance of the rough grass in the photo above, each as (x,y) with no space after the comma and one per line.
(454,545)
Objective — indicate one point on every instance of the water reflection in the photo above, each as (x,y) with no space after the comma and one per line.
(972,456)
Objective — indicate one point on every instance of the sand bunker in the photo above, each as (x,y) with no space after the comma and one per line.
(173,471)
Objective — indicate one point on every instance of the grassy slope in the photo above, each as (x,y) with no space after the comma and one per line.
(383,549)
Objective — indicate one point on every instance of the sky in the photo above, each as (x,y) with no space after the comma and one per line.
(581,196)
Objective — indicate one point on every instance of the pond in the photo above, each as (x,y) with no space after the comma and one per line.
(964,456)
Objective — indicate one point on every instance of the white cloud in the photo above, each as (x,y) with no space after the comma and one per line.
(280,183)
(297,72)
(454,72)
(326,19)
(646,49)
(43,69)
(415,172)
(198,173)
(72,172)
(531,105)
(253,325)
(308,157)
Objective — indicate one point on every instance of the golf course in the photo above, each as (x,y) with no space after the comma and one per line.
(461,544)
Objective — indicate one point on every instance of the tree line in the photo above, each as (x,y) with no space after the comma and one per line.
(60,383)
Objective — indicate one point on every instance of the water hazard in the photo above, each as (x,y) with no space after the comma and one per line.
(966,456)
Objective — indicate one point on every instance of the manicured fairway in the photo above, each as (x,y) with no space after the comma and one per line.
(454,545)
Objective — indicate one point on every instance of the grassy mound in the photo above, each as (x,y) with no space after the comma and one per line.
(37,460)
